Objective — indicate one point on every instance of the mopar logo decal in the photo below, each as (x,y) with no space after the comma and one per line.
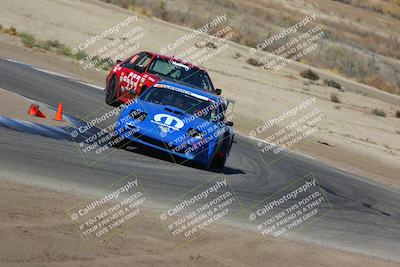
(167,122)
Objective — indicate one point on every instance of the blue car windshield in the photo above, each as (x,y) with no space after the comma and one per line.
(191,104)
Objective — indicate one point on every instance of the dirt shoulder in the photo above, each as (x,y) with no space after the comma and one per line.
(35,231)
(12,48)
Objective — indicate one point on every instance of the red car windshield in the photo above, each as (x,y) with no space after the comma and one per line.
(181,73)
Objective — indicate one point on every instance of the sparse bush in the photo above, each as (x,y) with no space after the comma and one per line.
(309,74)
(244,38)
(333,83)
(253,62)
(28,40)
(208,44)
(335,98)
(379,112)
(162,10)
(54,43)
(237,55)
(11,31)
(397,115)
(64,50)
(146,12)
(378,82)
(80,55)
(43,45)
(390,8)
(211,45)
(102,63)
(125,3)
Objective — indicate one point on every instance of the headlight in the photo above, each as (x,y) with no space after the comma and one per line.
(138,115)
(195,133)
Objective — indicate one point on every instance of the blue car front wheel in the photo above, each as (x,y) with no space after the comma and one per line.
(218,160)
(220,156)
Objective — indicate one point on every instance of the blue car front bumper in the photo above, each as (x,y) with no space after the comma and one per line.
(201,154)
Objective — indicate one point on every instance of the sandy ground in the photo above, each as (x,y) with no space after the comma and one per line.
(35,231)
(16,106)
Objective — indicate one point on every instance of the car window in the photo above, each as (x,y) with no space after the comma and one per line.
(184,102)
(144,61)
(181,73)
(138,62)
(162,67)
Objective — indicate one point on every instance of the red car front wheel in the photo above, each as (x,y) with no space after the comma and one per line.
(111,92)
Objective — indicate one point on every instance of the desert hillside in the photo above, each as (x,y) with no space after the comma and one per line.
(362,38)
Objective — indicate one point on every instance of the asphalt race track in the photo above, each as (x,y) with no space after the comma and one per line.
(365,216)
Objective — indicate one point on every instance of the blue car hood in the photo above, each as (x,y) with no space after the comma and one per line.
(167,123)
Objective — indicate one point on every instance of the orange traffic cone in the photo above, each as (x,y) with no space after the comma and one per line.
(34,111)
(58,116)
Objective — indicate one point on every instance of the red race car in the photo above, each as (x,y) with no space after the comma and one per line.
(131,77)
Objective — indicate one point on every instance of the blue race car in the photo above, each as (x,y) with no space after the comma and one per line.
(185,122)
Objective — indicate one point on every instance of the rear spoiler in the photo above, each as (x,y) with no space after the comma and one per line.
(230,103)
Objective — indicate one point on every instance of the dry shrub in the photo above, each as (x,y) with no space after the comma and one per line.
(379,112)
(333,83)
(124,3)
(11,31)
(205,43)
(28,40)
(378,82)
(244,37)
(335,98)
(390,8)
(309,74)
(335,58)
(144,11)
(237,55)
(253,62)
(54,43)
